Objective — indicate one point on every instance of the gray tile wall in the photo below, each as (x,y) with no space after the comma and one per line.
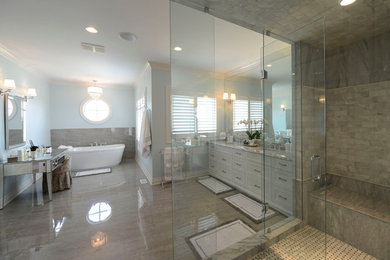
(359,230)
(358,101)
(86,136)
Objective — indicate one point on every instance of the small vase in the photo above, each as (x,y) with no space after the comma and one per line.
(252,142)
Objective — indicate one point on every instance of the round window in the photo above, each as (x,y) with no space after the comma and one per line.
(96,111)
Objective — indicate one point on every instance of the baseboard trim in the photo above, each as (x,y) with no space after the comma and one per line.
(144,170)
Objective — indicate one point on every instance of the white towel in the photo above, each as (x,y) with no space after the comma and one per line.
(145,137)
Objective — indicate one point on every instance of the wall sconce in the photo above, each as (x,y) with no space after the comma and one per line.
(30,93)
(283,107)
(8,86)
(95,92)
(225,97)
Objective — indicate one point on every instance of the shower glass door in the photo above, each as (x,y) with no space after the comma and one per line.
(193,104)
(294,138)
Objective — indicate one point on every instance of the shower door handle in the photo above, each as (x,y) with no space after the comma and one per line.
(314,158)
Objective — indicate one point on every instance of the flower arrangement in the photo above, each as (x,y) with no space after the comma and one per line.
(252,134)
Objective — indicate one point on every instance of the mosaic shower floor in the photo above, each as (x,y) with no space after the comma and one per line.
(308,243)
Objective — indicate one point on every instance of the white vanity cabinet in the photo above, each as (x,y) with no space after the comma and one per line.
(244,170)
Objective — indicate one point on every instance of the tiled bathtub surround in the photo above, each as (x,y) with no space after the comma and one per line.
(86,136)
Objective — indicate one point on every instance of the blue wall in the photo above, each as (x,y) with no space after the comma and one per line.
(66,101)
(37,116)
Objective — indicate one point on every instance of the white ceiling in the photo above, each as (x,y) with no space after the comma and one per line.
(210,43)
(45,36)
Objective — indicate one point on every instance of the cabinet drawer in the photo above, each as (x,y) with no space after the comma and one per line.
(282,179)
(239,178)
(238,153)
(222,170)
(13,169)
(253,182)
(255,157)
(282,165)
(238,163)
(254,168)
(283,199)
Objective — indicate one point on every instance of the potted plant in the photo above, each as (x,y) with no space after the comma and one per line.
(252,133)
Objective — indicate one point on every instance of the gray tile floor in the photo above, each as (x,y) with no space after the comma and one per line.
(309,243)
(196,209)
(140,225)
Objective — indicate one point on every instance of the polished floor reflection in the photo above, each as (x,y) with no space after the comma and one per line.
(194,214)
(107,216)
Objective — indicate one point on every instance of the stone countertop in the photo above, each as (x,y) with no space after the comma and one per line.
(258,149)
(55,153)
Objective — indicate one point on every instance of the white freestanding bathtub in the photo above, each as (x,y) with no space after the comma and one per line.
(95,157)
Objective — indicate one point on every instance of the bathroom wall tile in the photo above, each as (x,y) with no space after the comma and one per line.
(357,132)
(364,232)
(365,61)
(374,191)
(86,136)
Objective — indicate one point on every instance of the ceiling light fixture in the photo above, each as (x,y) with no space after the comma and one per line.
(91,29)
(346,2)
(95,92)
(177,48)
(128,36)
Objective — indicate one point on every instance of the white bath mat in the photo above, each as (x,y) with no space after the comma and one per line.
(210,242)
(92,172)
(249,207)
(143,181)
(214,185)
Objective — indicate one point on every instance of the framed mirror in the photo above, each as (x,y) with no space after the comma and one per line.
(14,121)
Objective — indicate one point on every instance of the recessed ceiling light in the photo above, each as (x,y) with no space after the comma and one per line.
(269,65)
(128,36)
(177,48)
(346,2)
(91,29)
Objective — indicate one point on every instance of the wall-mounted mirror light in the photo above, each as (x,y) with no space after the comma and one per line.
(226,97)
(8,86)
(283,107)
(30,93)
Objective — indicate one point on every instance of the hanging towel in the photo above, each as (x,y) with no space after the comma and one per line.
(145,137)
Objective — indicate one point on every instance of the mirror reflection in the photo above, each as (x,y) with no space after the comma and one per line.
(15,121)
(99,212)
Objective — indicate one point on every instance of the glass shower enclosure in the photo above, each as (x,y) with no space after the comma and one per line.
(236,124)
